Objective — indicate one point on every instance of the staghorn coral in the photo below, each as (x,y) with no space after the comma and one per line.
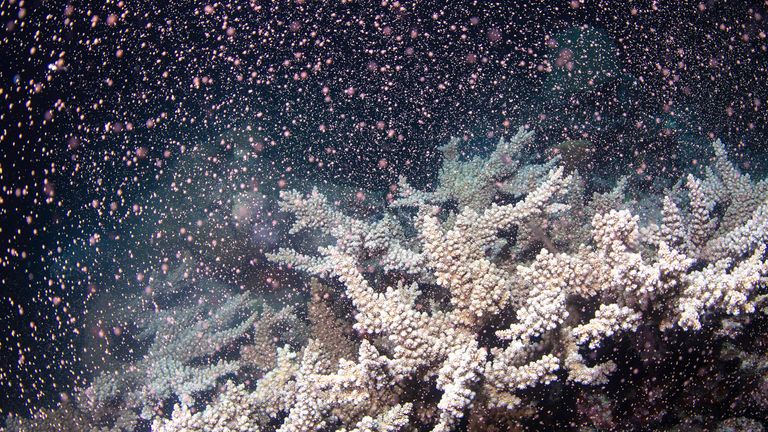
(232,411)
(475,183)
(269,331)
(332,333)
(382,241)
(664,285)
(180,337)
(67,417)
(449,330)
(727,213)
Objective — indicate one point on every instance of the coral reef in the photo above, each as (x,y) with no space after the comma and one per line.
(475,182)
(481,304)
(68,417)
(694,266)
(180,336)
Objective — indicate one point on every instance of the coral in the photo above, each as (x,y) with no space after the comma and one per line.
(441,318)
(180,337)
(381,241)
(270,330)
(474,183)
(229,413)
(688,272)
(739,424)
(332,333)
(727,213)
(67,417)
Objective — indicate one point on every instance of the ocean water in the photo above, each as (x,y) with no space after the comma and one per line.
(383,215)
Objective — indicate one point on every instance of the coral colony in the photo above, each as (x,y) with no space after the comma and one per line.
(504,298)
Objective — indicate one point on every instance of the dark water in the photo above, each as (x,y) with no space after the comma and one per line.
(145,147)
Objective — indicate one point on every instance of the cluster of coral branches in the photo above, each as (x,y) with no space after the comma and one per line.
(467,303)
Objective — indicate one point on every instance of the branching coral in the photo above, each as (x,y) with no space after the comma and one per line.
(180,337)
(454,315)
(693,269)
(475,182)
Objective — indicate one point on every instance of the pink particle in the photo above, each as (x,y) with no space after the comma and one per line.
(494,35)
(564,57)
(552,43)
